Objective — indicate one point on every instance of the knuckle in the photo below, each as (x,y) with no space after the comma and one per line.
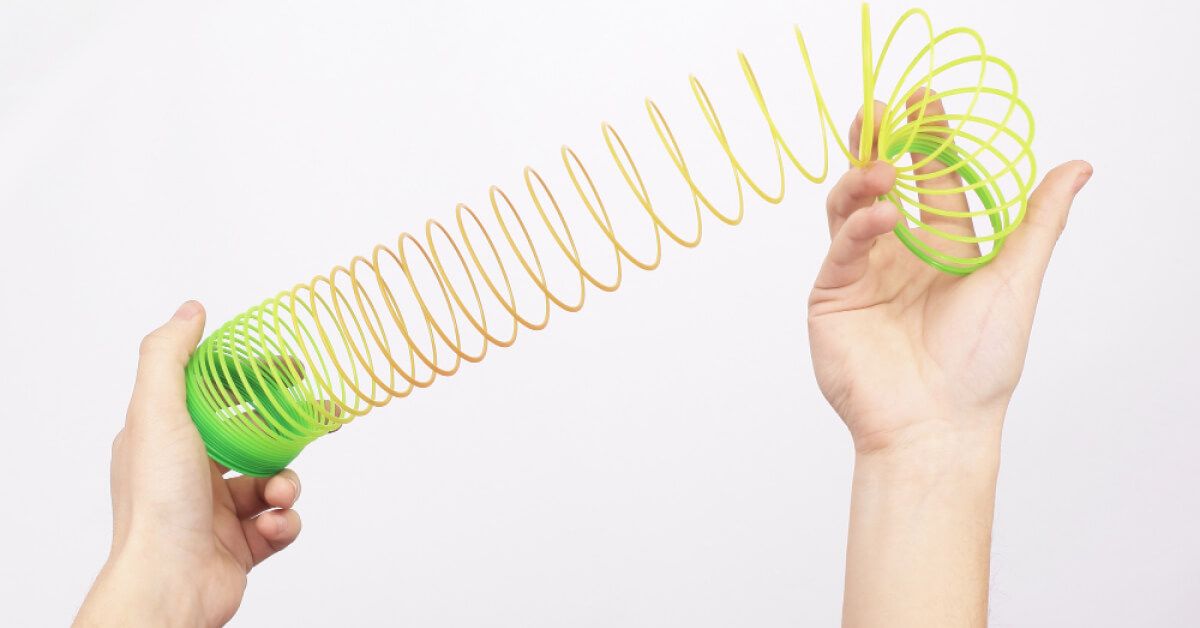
(153,343)
(157,343)
(831,200)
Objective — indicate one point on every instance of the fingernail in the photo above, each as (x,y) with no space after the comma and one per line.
(187,311)
(1082,179)
(295,485)
(280,523)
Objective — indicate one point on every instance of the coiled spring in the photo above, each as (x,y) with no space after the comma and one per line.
(310,359)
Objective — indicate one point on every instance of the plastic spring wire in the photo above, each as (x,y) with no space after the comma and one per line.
(310,359)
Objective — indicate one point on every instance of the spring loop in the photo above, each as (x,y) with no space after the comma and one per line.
(303,363)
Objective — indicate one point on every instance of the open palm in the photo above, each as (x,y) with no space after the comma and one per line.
(900,347)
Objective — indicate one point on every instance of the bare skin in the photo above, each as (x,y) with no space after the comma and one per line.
(921,366)
(184,537)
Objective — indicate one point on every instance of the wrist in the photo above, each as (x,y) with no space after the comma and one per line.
(132,591)
(924,426)
(932,449)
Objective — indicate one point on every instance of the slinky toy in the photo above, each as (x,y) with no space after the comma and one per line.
(310,359)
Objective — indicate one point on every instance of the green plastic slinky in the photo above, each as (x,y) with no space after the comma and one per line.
(305,362)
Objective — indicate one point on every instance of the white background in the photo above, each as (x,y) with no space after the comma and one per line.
(663,458)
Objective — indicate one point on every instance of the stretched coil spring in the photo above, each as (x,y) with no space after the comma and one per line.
(310,359)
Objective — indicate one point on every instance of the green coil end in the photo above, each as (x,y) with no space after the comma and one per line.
(250,401)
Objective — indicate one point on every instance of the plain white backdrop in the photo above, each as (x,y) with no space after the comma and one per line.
(663,458)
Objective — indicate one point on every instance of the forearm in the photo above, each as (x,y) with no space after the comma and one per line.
(920,531)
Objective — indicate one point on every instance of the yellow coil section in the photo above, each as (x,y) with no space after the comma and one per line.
(310,359)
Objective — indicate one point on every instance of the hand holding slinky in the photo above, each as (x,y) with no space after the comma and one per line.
(184,537)
(898,345)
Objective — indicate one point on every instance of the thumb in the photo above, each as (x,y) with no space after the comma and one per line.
(1026,252)
(158,392)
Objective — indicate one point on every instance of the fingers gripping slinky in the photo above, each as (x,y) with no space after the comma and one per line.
(303,363)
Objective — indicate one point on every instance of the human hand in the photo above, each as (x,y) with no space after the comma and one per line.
(902,350)
(184,537)
(921,366)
